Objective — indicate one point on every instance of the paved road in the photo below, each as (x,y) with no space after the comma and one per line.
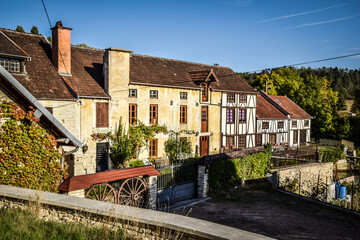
(277,215)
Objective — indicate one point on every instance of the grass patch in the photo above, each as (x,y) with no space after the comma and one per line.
(17,224)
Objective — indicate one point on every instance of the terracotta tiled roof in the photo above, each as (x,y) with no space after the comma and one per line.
(87,72)
(85,181)
(291,107)
(9,47)
(265,110)
(42,79)
(161,71)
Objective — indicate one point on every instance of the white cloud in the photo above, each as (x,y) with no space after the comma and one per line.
(300,14)
(325,22)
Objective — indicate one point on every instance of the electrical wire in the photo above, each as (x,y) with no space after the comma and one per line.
(315,61)
(47,15)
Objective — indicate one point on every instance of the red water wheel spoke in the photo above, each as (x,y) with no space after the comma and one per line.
(102,192)
(132,192)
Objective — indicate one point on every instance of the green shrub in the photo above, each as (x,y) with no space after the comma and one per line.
(136,163)
(332,154)
(28,157)
(229,173)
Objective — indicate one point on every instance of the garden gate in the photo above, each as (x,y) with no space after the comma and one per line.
(176,183)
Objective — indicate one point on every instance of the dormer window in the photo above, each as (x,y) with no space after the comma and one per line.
(11,65)
(242,98)
(204,92)
(230,98)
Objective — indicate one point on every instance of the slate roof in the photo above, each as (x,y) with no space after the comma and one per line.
(169,72)
(87,72)
(291,107)
(43,80)
(8,47)
(265,110)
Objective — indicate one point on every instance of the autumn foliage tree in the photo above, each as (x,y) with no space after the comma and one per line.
(28,157)
(312,93)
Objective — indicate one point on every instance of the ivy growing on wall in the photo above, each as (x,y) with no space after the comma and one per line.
(28,157)
(126,144)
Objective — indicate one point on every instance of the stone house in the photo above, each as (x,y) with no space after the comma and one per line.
(12,91)
(89,90)
(282,122)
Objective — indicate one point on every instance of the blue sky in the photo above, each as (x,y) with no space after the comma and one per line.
(246,35)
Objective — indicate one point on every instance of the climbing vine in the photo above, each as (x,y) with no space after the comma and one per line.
(127,144)
(28,157)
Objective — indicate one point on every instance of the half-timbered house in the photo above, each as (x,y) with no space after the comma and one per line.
(289,125)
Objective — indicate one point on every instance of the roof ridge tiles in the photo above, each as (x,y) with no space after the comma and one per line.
(178,60)
(88,48)
(24,33)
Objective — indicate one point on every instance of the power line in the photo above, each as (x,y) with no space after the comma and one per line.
(47,15)
(315,61)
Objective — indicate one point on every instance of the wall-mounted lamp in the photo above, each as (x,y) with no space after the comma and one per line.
(171,102)
(85,148)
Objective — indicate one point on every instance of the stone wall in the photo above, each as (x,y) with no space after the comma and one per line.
(203,184)
(304,179)
(137,223)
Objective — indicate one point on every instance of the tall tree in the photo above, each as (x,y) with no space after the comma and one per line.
(19,29)
(34,30)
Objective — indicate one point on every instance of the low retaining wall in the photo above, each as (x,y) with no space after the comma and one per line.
(307,176)
(136,222)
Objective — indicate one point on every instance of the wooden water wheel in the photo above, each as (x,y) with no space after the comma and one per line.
(102,192)
(132,192)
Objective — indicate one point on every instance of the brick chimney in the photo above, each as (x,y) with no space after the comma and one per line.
(61,48)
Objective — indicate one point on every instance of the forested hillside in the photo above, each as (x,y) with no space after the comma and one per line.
(320,92)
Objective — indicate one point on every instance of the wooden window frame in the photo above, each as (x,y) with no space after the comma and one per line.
(230,143)
(183,114)
(280,124)
(228,115)
(132,93)
(204,92)
(270,136)
(11,65)
(258,140)
(153,151)
(183,95)
(204,119)
(102,114)
(265,125)
(306,123)
(294,124)
(296,136)
(154,94)
(132,114)
(230,98)
(242,117)
(242,98)
(153,111)
(242,141)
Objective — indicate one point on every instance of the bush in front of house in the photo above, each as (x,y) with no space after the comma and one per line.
(230,173)
(28,154)
(332,154)
(136,163)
